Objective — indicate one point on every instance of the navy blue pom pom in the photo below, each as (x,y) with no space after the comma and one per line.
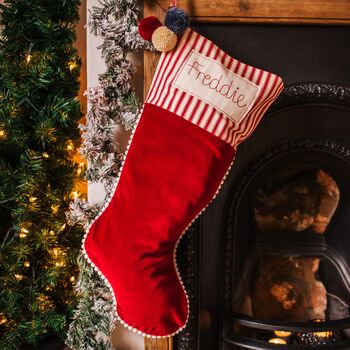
(176,20)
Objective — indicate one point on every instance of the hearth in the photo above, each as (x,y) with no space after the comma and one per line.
(286,248)
(272,252)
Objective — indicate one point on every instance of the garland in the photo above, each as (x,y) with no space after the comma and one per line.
(113,102)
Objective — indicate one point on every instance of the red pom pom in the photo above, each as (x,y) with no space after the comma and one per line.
(147,26)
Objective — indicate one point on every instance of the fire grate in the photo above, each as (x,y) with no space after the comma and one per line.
(330,328)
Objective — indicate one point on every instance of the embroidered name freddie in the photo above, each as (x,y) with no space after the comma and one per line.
(213,83)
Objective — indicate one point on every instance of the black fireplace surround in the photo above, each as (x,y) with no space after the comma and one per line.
(308,126)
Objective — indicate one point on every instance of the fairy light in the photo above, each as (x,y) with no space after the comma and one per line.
(72,65)
(58,256)
(55,252)
(3,319)
(28,58)
(2,134)
(52,233)
(43,302)
(70,146)
(42,298)
(26,264)
(45,155)
(60,263)
(72,279)
(18,277)
(32,199)
(23,233)
(54,208)
(80,168)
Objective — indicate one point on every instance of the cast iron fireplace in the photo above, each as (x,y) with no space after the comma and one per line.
(272,252)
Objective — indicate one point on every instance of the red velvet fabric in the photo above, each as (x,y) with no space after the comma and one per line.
(172,171)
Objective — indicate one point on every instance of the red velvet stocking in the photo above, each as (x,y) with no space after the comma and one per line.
(201,105)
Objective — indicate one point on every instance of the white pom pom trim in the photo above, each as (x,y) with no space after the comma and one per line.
(116,316)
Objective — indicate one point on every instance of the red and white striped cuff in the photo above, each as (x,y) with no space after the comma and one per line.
(204,85)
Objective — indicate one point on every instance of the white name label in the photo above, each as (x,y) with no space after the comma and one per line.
(214,84)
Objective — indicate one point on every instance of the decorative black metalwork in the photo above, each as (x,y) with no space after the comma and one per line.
(309,330)
(312,92)
(188,262)
(252,322)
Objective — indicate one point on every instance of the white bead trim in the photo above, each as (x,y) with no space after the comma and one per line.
(116,316)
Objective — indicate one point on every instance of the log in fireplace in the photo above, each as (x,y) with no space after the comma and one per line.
(272,252)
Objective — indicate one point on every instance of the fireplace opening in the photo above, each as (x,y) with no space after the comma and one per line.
(291,283)
(293,204)
(291,207)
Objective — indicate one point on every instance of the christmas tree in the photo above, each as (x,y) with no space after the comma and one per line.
(39,136)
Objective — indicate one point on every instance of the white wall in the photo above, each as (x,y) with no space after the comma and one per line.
(95,66)
(122,338)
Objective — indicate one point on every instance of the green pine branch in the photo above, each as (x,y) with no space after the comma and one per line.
(39,113)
